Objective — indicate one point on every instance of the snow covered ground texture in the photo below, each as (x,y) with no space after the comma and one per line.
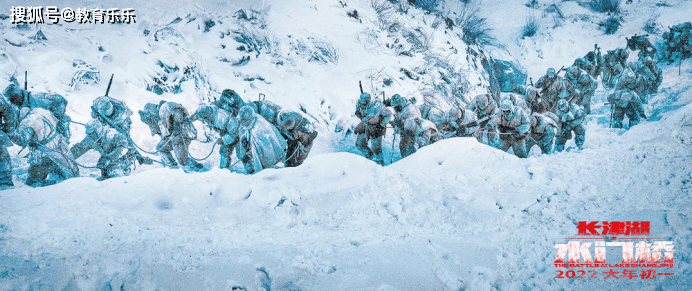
(455,215)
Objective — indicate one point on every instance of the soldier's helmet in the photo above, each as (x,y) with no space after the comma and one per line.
(410,126)
(15,93)
(94,127)
(507,108)
(629,77)
(285,124)
(454,113)
(246,114)
(364,99)
(563,105)
(624,54)
(204,113)
(531,93)
(398,102)
(617,69)
(229,95)
(591,56)
(482,101)
(579,62)
(150,114)
(550,72)
(105,107)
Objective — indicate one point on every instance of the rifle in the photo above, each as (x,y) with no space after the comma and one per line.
(472,123)
(561,69)
(361,87)
(108,89)
(531,82)
(26,86)
(475,122)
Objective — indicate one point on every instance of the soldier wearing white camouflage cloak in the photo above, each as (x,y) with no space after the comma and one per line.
(261,145)
(404,110)
(374,117)
(513,125)
(571,120)
(50,159)
(225,124)
(117,154)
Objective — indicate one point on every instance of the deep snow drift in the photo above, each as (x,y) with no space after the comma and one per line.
(455,215)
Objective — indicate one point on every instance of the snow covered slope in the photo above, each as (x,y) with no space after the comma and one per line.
(455,215)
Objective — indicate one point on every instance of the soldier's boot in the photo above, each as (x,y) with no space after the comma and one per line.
(640,111)
(362,145)
(378,159)
(193,166)
(104,175)
(169,161)
(547,143)
(225,153)
(579,140)
(377,150)
(39,173)
(580,144)
(618,115)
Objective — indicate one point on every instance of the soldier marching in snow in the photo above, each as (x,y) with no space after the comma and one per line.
(54,103)
(374,117)
(8,122)
(516,99)
(582,85)
(513,125)
(459,122)
(261,145)
(609,66)
(171,121)
(117,153)
(552,88)
(112,112)
(231,102)
(50,160)
(429,112)
(485,108)
(225,124)
(624,102)
(648,74)
(404,110)
(533,100)
(588,67)
(571,118)
(421,132)
(631,82)
(544,127)
(299,134)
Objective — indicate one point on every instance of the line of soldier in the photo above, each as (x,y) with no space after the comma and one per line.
(261,132)
(547,114)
